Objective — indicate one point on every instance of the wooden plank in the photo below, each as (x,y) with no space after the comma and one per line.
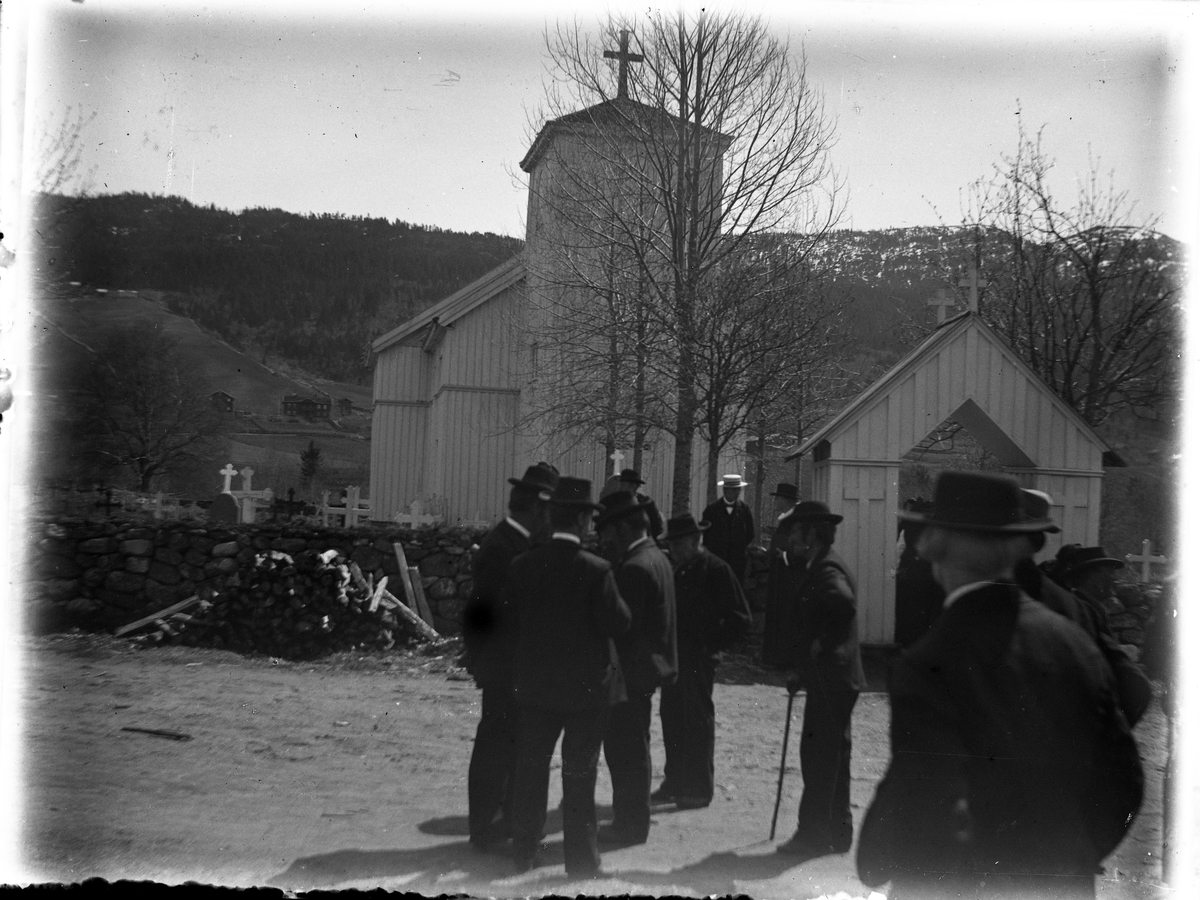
(416,622)
(173,608)
(410,596)
(414,577)
(378,593)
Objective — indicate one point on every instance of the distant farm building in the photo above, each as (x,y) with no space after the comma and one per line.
(222,401)
(345,406)
(305,407)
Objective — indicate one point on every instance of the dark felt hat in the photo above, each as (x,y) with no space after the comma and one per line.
(632,476)
(683,525)
(809,511)
(786,491)
(573,493)
(981,502)
(616,506)
(1073,559)
(541,478)
(1037,506)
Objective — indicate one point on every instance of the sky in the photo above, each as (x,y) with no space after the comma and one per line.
(421,112)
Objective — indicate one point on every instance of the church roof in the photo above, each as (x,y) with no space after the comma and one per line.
(618,111)
(446,311)
(947,332)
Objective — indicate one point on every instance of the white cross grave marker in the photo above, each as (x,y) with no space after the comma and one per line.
(229,471)
(247,474)
(617,457)
(1146,559)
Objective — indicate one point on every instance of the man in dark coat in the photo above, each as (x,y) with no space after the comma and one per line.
(630,481)
(731,525)
(1013,771)
(1087,571)
(711,613)
(829,669)
(489,642)
(779,620)
(566,611)
(649,659)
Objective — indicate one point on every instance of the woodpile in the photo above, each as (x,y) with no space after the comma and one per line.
(299,607)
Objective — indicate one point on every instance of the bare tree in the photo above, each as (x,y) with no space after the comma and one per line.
(1089,297)
(148,413)
(641,204)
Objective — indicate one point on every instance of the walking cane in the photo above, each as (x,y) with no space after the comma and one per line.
(787,727)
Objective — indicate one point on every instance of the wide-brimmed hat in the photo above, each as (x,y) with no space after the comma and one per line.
(617,505)
(809,511)
(1074,558)
(540,478)
(683,525)
(573,493)
(786,491)
(734,481)
(981,502)
(632,476)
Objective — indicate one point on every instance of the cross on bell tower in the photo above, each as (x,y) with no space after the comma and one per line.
(624,58)
(972,282)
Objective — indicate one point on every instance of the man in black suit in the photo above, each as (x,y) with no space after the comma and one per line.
(489,642)
(829,669)
(566,611)
(649,659)
(779,620)
(731,525)
(711,613)
(1013,771)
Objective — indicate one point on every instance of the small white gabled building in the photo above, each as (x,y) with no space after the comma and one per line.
(966,372)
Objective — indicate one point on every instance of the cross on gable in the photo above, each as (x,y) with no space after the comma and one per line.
(972,282)
(942,300)
(624,58)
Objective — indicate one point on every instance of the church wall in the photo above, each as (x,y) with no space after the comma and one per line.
(478,349)
(398,435)
(478,449)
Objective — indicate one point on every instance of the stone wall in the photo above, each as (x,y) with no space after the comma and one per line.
(101,575)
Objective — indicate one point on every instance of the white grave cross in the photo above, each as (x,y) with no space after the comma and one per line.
(617,457)
(1146,559)
(228,472)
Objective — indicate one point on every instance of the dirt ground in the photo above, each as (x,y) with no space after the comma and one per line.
(351,773)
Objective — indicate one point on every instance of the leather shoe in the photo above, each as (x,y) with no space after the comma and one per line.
(611,836)
(663,795)
(803,847)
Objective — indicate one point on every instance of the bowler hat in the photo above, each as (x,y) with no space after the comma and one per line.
(809,511)
(573,493)
(981,502)
(786,491)
(631,476)
(731,481)
(617,505)
(541,478)
(1073,559)
(683,525)
(1037,506)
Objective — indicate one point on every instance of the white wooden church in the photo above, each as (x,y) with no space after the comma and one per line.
(453,386)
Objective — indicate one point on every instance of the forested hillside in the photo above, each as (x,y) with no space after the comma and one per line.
(314,290)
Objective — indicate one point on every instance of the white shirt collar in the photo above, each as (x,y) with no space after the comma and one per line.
(637,543)
(965,589)
(518,526)
(567,536)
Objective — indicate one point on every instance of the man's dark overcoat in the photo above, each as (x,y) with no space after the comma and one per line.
(649,654)
(566,611)
(780,625)
(1013,771)
(829,655)
(712,614)
(487,636)
(730,532)
(1134,690)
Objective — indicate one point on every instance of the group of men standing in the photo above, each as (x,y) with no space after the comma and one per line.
(565,642)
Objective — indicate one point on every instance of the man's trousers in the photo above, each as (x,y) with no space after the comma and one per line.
(582,733)
(493,762)
(627,752)
(824,815)
(689,729)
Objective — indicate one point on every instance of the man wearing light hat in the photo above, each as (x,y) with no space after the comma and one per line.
(731,525)
(1013,771)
